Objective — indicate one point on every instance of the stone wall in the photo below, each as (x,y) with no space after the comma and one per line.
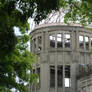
(72,52)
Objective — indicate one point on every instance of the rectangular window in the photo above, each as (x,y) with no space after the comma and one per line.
(39,42)
(81,42)
(91,42)
(39,39)
(52,76)
(59,40)
(67,80)
(34,43)
(38,72)
(33,71)
(87,43)
(67,76)
(60,75)
(67,40)
(31,44)
(52,40)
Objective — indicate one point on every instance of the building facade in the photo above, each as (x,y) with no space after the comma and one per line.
(61,50)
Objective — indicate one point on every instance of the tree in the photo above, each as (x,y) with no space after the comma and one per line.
(15,60)
(14,64)
(77,11)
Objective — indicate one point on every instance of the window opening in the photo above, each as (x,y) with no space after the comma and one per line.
(67,80)
(59,40)
(52,40)
(86,42)
(81,42)
(67,40)
(34,43)
(39,42)
(60,75)
(33,71)
(91,42)
(67,76)
(52,76)
(38,72)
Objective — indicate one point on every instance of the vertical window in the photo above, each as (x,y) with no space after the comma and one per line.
(52,40)
(52,76)
(87,43)
(32,45)
(34,41)
(67,76)
(91,41)
(33,71)
(60,76)
(39,39)
(38,72)
(67,40)
(81,42)
(39,42)
(59,40)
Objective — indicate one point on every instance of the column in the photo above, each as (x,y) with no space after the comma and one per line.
(43,41)
(73,77)
(56,59)
(44,77)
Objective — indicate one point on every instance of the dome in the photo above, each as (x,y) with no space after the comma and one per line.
(56,18)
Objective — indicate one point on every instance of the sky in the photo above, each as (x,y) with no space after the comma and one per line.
(18,33)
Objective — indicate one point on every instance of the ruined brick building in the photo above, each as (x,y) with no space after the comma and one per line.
(64,58)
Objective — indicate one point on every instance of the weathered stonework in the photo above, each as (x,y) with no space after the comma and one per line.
(72,53)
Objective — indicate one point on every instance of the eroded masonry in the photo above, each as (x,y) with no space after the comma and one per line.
(64,58)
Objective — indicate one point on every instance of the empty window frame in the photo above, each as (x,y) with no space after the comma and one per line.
(81,42)
(52,40)
(33,71)
(59,40)
(31,44)
(60,75)
(86,43)
(91,42)
(52,76)
(39,42)
(35,43)
(67,76)
(38,72)
(67,40)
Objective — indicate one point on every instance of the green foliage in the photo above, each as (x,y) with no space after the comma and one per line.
(15,60)
(16,64)
(77,10)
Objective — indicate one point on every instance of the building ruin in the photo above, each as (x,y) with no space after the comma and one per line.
(64,58)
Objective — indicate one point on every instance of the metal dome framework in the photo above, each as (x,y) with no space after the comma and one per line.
(56,17)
